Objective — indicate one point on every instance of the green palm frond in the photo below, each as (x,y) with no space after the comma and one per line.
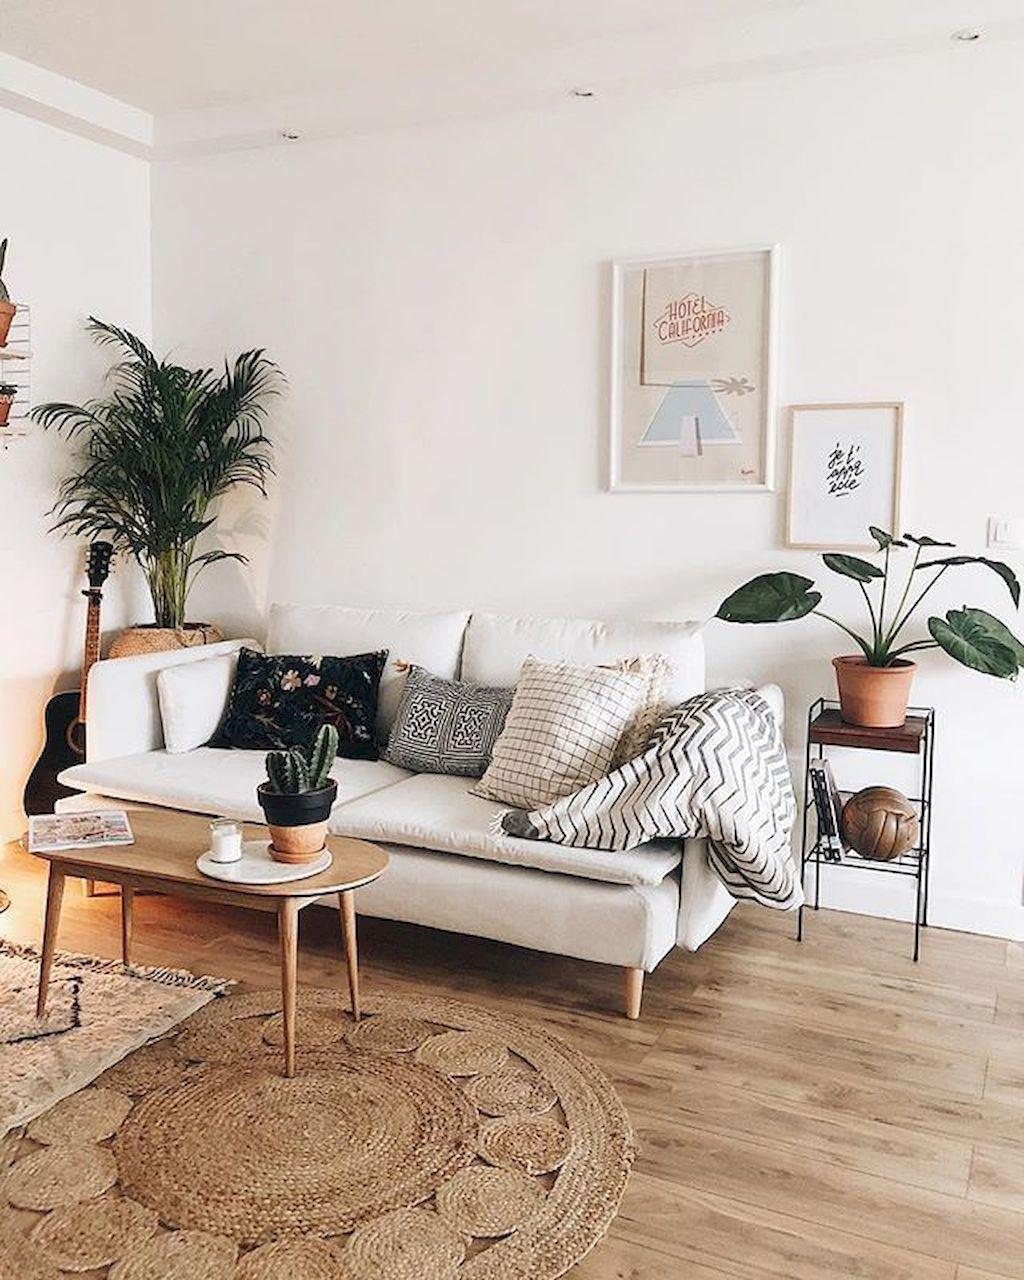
(157,452)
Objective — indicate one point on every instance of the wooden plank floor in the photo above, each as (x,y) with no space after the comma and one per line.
(826,1109)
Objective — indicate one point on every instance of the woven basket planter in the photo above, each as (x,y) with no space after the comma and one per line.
(150,638)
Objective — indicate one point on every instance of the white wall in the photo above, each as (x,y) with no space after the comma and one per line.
(78,218)
(440,302)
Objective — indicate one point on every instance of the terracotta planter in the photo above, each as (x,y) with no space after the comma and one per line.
(7,311)
(873,697)
(5,408)
(297,822)
(149,638)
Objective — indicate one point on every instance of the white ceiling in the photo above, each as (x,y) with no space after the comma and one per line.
(237,69)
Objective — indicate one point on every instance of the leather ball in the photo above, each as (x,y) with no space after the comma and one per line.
(880,823)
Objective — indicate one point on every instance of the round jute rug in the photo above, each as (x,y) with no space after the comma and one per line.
(436,1139)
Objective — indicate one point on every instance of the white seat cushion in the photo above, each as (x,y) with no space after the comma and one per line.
(435,811)
(496,647)
(430,640)
(213,780)
(376,801)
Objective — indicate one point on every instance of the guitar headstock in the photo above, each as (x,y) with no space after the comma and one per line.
(97,564)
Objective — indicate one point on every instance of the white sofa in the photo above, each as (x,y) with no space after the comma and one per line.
(448,870)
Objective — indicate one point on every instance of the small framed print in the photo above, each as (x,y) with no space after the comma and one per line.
(693,366)
(844,474)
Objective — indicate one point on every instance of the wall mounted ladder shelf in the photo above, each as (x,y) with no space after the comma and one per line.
(16,368)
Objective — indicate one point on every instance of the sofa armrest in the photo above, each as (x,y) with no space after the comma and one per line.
(704,901)
(122,711)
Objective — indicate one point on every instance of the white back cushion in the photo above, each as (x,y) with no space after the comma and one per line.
(193,699)
(496,647)
(430,640)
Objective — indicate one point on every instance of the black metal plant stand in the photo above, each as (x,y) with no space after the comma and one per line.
(825,728)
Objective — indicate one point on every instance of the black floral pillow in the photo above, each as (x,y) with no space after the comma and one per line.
(281,700)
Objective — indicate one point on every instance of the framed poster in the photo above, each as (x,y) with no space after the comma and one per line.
(692,388)
(844,474)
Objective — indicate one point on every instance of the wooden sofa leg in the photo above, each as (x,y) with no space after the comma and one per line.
(634,992)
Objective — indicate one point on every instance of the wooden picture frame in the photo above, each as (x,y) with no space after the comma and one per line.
(840,452)
(727,368)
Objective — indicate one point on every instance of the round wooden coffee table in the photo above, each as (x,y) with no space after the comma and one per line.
(163,860)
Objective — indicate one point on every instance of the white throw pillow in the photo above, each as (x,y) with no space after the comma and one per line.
(561,732)
(193,700)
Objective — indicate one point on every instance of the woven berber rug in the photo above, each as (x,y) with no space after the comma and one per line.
(98,1010)
(433,1140)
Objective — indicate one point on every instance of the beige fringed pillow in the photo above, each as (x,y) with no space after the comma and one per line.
(658,672)
(561,732)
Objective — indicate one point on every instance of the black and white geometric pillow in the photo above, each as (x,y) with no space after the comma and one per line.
(446,726)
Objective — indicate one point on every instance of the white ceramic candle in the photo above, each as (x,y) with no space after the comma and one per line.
(225,840)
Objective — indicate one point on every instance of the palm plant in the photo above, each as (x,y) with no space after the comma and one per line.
(157,452)
(972,637)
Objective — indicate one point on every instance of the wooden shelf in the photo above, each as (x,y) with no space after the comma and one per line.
(16,369)
(830,729)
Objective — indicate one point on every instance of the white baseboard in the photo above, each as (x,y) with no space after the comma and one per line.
(974,915)
(873,893)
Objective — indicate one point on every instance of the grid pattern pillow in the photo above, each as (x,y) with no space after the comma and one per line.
(446,726)
(561,733)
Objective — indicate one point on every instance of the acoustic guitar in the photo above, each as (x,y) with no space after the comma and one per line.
(65,712)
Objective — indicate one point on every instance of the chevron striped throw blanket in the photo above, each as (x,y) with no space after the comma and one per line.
(716,767)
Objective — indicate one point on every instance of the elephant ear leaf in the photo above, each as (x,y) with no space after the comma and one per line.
(998,630)
(1003,570)
(852,567)
(923,540)
(771,597)
(969,637)
(884,539)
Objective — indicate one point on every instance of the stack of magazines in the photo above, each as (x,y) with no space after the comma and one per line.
(829,808)
(98,829)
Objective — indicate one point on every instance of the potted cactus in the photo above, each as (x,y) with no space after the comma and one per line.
(298,795)
(7,307)
(7,393)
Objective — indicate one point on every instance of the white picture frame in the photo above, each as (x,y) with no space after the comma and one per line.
(727,444)
(845,473)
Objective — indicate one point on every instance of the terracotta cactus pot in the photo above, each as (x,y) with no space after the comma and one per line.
(297,821)
(873,697)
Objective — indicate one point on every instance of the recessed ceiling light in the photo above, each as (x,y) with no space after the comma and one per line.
(583,92)
(966,35)
(288,135)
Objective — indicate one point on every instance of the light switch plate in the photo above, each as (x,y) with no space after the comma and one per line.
(1006,532)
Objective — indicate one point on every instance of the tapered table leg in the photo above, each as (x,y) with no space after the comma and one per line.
(54,896)
(127,905)
(288,929)
(347,906)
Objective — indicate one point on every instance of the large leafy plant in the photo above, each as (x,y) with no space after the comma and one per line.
(971,636)
(157,452)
